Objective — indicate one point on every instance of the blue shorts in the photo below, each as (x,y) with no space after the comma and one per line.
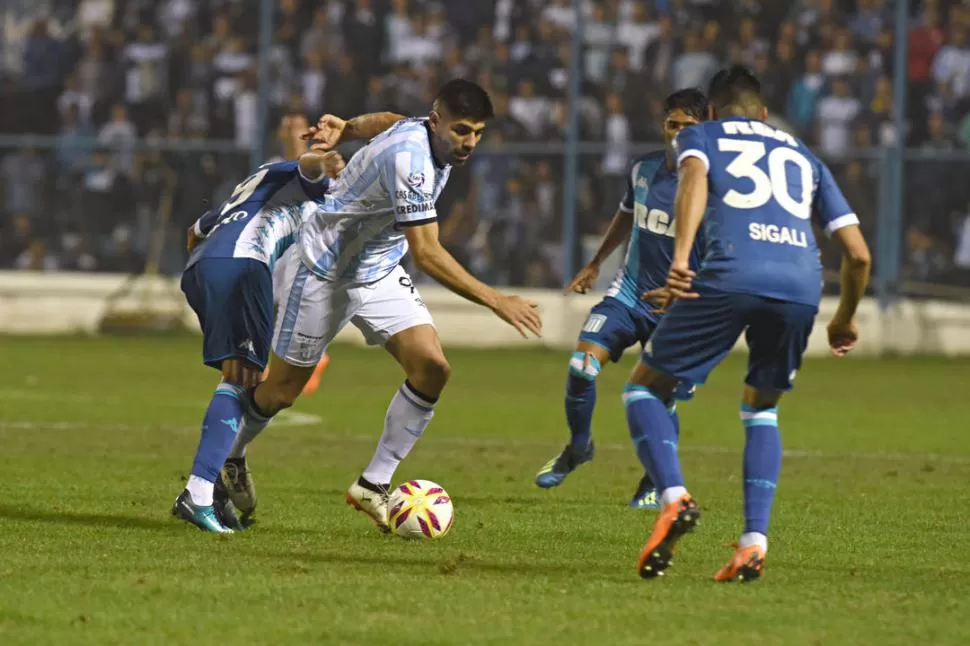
(233,298)
(694,336)
(615,327)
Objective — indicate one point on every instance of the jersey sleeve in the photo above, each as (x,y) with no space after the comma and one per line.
(831,208)
(205,223)
(692,142)
(626,204)
(407,174)
(314,189)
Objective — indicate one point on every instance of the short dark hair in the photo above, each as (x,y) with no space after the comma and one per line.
(465,100)
(692,101)
(735,85)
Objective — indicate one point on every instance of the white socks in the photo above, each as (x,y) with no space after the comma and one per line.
(670,495)
(407,416)
(200,490)
(251,425)
(754,538)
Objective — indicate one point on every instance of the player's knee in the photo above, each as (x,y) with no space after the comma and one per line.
(273,399)
(435,369)
(760,399)
(584,366)
(427,373)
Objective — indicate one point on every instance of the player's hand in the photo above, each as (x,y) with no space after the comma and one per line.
(843,337)
(333,163)
(660,298)
(192,239)
(327,133)
(680,281)
(520,313)
(584,280)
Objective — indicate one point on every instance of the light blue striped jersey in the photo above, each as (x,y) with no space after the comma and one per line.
(650,193)
(356,234)
(261,217)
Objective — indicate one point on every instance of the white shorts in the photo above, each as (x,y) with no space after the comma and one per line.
(311,311)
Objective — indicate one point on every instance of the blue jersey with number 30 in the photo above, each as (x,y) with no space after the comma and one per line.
(764,188)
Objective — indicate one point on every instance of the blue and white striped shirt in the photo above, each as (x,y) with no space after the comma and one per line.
(355,234)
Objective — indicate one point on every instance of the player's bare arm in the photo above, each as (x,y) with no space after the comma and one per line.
(856,264)
(316,165)
(332,131)
(434,260)
(616,234)
(689,206)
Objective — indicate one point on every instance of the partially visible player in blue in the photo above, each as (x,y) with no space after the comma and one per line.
(760,276)
(228,283)
(623,318)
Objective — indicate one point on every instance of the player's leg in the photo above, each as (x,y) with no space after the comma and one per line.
(691,339)
(235,325)
(395,316)
(310,315)
(606,333)
(777,338)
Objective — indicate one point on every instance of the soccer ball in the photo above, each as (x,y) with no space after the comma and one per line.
(420,509)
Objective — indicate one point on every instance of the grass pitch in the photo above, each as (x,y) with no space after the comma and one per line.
(869,541)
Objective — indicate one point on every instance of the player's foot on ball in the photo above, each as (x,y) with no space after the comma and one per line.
(225,510)
(674,521)
(745,567)
(238,481)
(202,516)
(314,382)
(371,499)
(556,469)
(646,496)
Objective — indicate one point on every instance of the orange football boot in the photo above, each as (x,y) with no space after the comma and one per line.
(674,521)
(745,566)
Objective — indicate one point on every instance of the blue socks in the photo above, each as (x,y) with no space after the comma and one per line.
(654,430)
(762,464)
(581,398)
(218,431)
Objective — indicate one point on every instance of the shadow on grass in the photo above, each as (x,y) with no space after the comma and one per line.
(120,521)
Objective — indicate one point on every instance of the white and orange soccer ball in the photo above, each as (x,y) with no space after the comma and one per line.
(420,509)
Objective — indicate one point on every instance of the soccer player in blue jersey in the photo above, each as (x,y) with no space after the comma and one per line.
(623,318)
(760,276)
(228,283)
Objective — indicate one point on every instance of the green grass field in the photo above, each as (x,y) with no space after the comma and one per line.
(869,542)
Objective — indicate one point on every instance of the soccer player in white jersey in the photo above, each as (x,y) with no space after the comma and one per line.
(346,268)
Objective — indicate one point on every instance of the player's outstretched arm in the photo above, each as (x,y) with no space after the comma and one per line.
(315,166)
(616,235)
(331,130)
(856,265)
(689,206)
(434,260)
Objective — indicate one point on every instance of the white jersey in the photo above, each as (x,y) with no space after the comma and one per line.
(355,233)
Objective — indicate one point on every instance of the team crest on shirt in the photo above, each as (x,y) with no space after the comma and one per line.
(642,182)
(416,180)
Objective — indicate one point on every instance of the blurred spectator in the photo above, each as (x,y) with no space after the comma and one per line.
(22,173)
(835,115)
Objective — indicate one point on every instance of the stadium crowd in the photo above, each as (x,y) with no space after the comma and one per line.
(98,76)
